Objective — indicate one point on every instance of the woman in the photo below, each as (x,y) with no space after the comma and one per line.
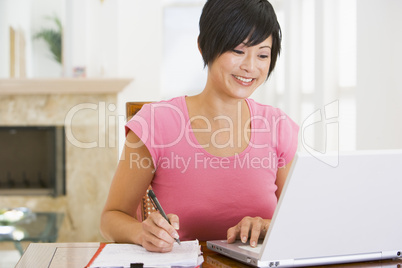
(217,161)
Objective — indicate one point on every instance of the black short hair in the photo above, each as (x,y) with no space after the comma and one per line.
(225,24)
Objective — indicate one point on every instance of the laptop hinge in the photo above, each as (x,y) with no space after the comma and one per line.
(333,259)
(338,259)
(391,254)
(278,263)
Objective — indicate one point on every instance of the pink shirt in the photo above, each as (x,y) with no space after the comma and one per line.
(211,194)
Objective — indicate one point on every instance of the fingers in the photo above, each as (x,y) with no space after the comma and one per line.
(244,227)
(158,234)
(232,234)
(255,233)
(174,221)
(248,228)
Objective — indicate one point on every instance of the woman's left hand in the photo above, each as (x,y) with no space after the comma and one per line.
(253,228)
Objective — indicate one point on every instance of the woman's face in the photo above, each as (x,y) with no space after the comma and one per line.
(238,73)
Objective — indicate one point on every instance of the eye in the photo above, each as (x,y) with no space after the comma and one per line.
(263,56)
(238,51)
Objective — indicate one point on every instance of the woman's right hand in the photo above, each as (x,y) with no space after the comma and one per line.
(157,234)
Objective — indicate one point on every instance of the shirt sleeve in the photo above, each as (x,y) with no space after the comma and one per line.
(141,125)
(287,133)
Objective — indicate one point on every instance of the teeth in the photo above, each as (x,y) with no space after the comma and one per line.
(247,80)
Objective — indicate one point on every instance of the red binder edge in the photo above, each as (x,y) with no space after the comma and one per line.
(101,247)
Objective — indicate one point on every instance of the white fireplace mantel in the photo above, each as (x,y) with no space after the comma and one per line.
(63,86)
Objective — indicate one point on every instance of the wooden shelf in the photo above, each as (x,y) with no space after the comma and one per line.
(63,86)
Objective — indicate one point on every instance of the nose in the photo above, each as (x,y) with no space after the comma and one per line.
(248,64)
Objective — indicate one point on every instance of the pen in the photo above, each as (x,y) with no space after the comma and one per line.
(158,207)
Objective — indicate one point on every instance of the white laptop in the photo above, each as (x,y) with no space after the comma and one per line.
(327,215)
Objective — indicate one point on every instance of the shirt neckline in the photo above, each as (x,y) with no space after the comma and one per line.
(195,141)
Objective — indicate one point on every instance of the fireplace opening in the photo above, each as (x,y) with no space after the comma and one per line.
(32,160)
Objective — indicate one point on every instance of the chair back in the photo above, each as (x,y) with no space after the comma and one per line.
(146,206)
(132,108)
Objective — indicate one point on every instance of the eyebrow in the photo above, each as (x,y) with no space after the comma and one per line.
(260,47)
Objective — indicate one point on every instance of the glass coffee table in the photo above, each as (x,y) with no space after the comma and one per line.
(32,226)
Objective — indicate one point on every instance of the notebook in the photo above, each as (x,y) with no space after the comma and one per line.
(114,255)
(329,215)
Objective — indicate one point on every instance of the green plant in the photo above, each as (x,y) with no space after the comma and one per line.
(52,38)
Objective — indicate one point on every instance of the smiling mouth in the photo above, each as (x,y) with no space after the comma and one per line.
(243,79)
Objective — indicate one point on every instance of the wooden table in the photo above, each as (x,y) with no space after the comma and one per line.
(77,255)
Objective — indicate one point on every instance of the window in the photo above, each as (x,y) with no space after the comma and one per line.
(182,67)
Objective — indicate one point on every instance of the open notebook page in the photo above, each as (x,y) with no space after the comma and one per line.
(122,255)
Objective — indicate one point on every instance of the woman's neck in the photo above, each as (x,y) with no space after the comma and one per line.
(222,123)
(211,105)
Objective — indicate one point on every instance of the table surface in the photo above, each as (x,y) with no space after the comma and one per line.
(37,227)
(71,255)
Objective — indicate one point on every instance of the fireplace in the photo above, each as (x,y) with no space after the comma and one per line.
(88,171)
(32,160)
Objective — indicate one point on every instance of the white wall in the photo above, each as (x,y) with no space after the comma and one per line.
(139,50)
(91,37)
(4,43)
(43,64)
(182,67)
(14,13)
(29,17)
(379,79)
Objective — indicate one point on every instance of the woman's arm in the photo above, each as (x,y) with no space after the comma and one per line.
(257,227)
(131,180)
(281,176)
